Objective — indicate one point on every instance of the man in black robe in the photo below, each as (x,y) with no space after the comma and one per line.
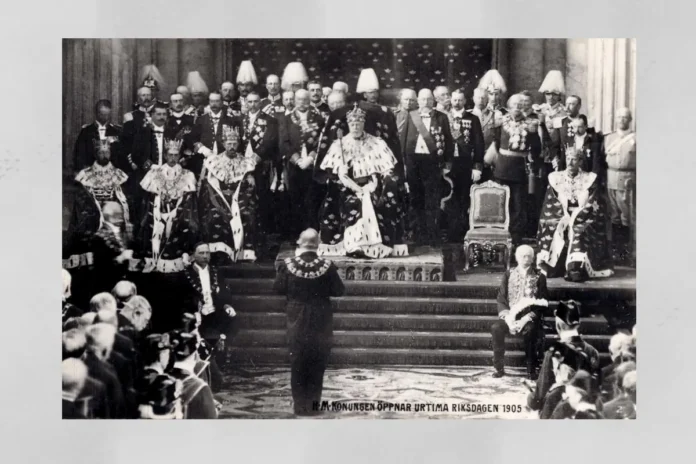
(309,282)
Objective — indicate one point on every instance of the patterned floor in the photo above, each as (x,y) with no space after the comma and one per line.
(266,395)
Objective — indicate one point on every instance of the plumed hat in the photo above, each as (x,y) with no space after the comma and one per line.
(367,82)
(247,73)
(553,83)
(195,83)
(493,82)
(294,72)
(151,77)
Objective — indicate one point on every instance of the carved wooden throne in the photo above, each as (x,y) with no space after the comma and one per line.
(489,218)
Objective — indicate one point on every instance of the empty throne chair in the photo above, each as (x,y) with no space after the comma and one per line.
(489,218)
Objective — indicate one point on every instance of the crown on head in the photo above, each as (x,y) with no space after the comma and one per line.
(100,145)
(229,134)
(356,114)
(173,146)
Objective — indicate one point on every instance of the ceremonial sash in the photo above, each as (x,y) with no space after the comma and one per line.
(615,147)
(423,131)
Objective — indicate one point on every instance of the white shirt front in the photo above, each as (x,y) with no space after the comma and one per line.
(204,275)
(580,141)
(458,113)
(252,119)
(215,118)
(159,135)
(303,116)
(421,146)
(102,131)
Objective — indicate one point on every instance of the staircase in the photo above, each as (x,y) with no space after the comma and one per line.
(408,323)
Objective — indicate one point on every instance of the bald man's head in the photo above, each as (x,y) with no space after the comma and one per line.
(336,100)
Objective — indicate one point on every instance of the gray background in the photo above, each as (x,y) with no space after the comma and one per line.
(30,197)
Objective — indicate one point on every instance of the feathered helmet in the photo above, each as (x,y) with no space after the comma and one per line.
(553,83)
(247,73)
(195,83)
(355,115)
(151,77)
(229,134)
(493,82)
(294,73)
(173,146)
(102,145)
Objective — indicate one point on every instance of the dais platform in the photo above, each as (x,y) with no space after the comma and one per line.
(424,264)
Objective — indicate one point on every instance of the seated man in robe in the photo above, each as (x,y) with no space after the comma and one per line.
(361,165)
(572,234)
(228,203)
(522,298)
(169,227)
(97,185)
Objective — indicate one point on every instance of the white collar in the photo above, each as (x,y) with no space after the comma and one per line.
(458,112)
(254,115)
(100,126)
(157,128)
(274,98)
(201,269)
(216,116)
(178,115)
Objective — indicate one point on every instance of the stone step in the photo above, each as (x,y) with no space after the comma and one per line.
(480,287)
(402,339)
(419,322)
(341,356)
(380,304)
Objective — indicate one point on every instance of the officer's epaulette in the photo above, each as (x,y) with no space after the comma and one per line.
(116,126)
(86,125)
(128,116)
(385,109)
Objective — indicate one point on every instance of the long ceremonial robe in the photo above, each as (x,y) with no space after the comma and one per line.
(96,185)
(582,233)
(169,228)
(227,205)
(366,222)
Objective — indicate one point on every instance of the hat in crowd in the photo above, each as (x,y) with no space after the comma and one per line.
(195,83)
(247,73)
(493,82)
(161,396)
(367,82)
(309,238)
(553,83)
(568,312)
(294,73)
(156,342)
(151,77)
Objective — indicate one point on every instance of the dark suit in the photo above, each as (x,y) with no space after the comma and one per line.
(468,155)
(85,154)
(304,205)
(124,371)
(106,374)
(309,283)
(106,246)
(93,400)
(134,122)
(424,172)
(210,135)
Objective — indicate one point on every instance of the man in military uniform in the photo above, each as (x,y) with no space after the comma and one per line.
(491,120)
(260,141)
(528,102)
(288,102)
(408,101)
(273,103)
(100,129)
(551,115)
(180,123)
(467,164)
(153,80)
(620,161)
(300,133)
(494,85)
(428,151)
(314,89)
(134,121)
(207,133)
(514,152)
(184,91)
(199,93)
(308,282)
(229,96)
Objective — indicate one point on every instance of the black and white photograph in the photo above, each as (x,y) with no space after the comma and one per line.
(349,228)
